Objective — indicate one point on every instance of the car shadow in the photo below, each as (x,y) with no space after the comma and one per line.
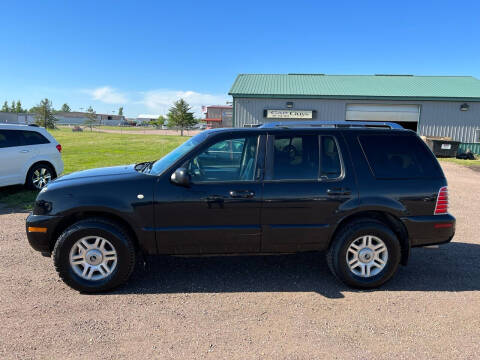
(450,267)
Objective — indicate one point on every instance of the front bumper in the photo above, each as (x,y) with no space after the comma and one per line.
(430,230)
(41,241)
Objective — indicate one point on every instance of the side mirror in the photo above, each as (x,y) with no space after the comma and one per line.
(181,177)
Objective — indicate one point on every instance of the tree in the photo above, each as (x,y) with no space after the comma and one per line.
(5,107)
(12,108)
(91,118)
(65,108)
(179,115)
(18,107)
(120,111)
(161,120)
(44,114)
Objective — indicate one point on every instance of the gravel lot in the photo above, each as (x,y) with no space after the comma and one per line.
(250,307)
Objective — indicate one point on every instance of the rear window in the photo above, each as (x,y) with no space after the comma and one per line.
(399,157)
(33,138)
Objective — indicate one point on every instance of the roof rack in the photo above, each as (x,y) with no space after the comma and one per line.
(330,124)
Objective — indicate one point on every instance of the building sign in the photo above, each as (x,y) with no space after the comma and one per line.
(289,114)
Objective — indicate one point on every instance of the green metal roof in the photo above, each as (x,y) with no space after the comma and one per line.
(400,87)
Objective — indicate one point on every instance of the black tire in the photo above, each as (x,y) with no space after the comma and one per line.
(337,253)
(108,230)
(30,184)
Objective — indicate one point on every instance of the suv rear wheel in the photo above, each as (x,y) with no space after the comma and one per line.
(94,255)
(39,176)
(364,254)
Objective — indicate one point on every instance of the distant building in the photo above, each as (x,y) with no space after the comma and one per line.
(78,118)
(16,118)
(217,116)
(145,118)
(64,118)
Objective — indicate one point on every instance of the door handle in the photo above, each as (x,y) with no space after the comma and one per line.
(338,191)
(243,194)
(214,198)
(24,151)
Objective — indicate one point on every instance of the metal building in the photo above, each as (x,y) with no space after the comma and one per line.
(431,105)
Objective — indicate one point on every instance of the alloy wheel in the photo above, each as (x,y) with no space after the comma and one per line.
(367,256)
(41,177)
(93,258)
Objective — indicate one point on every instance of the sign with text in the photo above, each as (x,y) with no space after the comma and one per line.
(289,114)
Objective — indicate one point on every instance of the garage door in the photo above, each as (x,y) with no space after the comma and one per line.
(379,112)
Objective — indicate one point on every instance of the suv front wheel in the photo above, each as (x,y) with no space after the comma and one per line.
(364,254)
(94,255)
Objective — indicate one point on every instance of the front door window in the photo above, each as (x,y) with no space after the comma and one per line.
(230,160)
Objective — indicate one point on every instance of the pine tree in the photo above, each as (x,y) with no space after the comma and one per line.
(91,118)
(5,107)
(18,107)
(180,115)
(120,111)
(65,108)
(44,114)
(12,108)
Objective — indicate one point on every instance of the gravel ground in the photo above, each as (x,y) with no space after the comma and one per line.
(282,307)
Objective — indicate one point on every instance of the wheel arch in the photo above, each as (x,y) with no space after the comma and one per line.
(83,215)
(39,162)
(387,218)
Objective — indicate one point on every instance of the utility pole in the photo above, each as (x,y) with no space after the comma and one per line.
(45,116)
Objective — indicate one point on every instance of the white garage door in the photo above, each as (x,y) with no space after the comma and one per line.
(380,112)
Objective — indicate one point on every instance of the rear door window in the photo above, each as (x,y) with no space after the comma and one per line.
(295,157)
(398,157)
(33,138)
(9,138)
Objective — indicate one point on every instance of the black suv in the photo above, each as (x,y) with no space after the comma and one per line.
(364,192)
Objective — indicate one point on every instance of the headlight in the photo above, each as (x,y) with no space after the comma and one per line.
(42,207)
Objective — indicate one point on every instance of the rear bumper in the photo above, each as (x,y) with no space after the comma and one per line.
(58,165)
(430,230)
(41,241)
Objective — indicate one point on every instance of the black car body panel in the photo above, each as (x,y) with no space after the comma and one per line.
(259,214)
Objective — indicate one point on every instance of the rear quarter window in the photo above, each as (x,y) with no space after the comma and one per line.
(33,138)
(399,157)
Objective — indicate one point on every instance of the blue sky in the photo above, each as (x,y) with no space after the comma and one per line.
(145,54)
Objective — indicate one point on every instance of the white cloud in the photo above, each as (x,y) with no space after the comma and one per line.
(160,101)
(108,95)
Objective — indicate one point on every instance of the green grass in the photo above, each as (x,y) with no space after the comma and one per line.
(470,163)
(125,128)
(86,150)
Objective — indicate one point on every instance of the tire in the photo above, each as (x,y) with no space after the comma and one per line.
(39,176)
(75,267)
(367,274)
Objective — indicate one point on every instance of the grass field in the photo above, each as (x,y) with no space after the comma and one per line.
(86,150)
(469,163)
(126,128)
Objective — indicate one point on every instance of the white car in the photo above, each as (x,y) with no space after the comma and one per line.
(29,155)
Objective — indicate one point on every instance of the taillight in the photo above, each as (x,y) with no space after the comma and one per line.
(442,201)
(59,148)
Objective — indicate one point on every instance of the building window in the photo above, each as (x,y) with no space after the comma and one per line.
(477,136)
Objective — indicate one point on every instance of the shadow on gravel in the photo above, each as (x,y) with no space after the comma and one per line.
(450,267)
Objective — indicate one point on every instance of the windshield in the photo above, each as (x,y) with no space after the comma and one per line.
(159,166)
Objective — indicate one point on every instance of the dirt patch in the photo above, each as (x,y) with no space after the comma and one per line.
(278,307)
